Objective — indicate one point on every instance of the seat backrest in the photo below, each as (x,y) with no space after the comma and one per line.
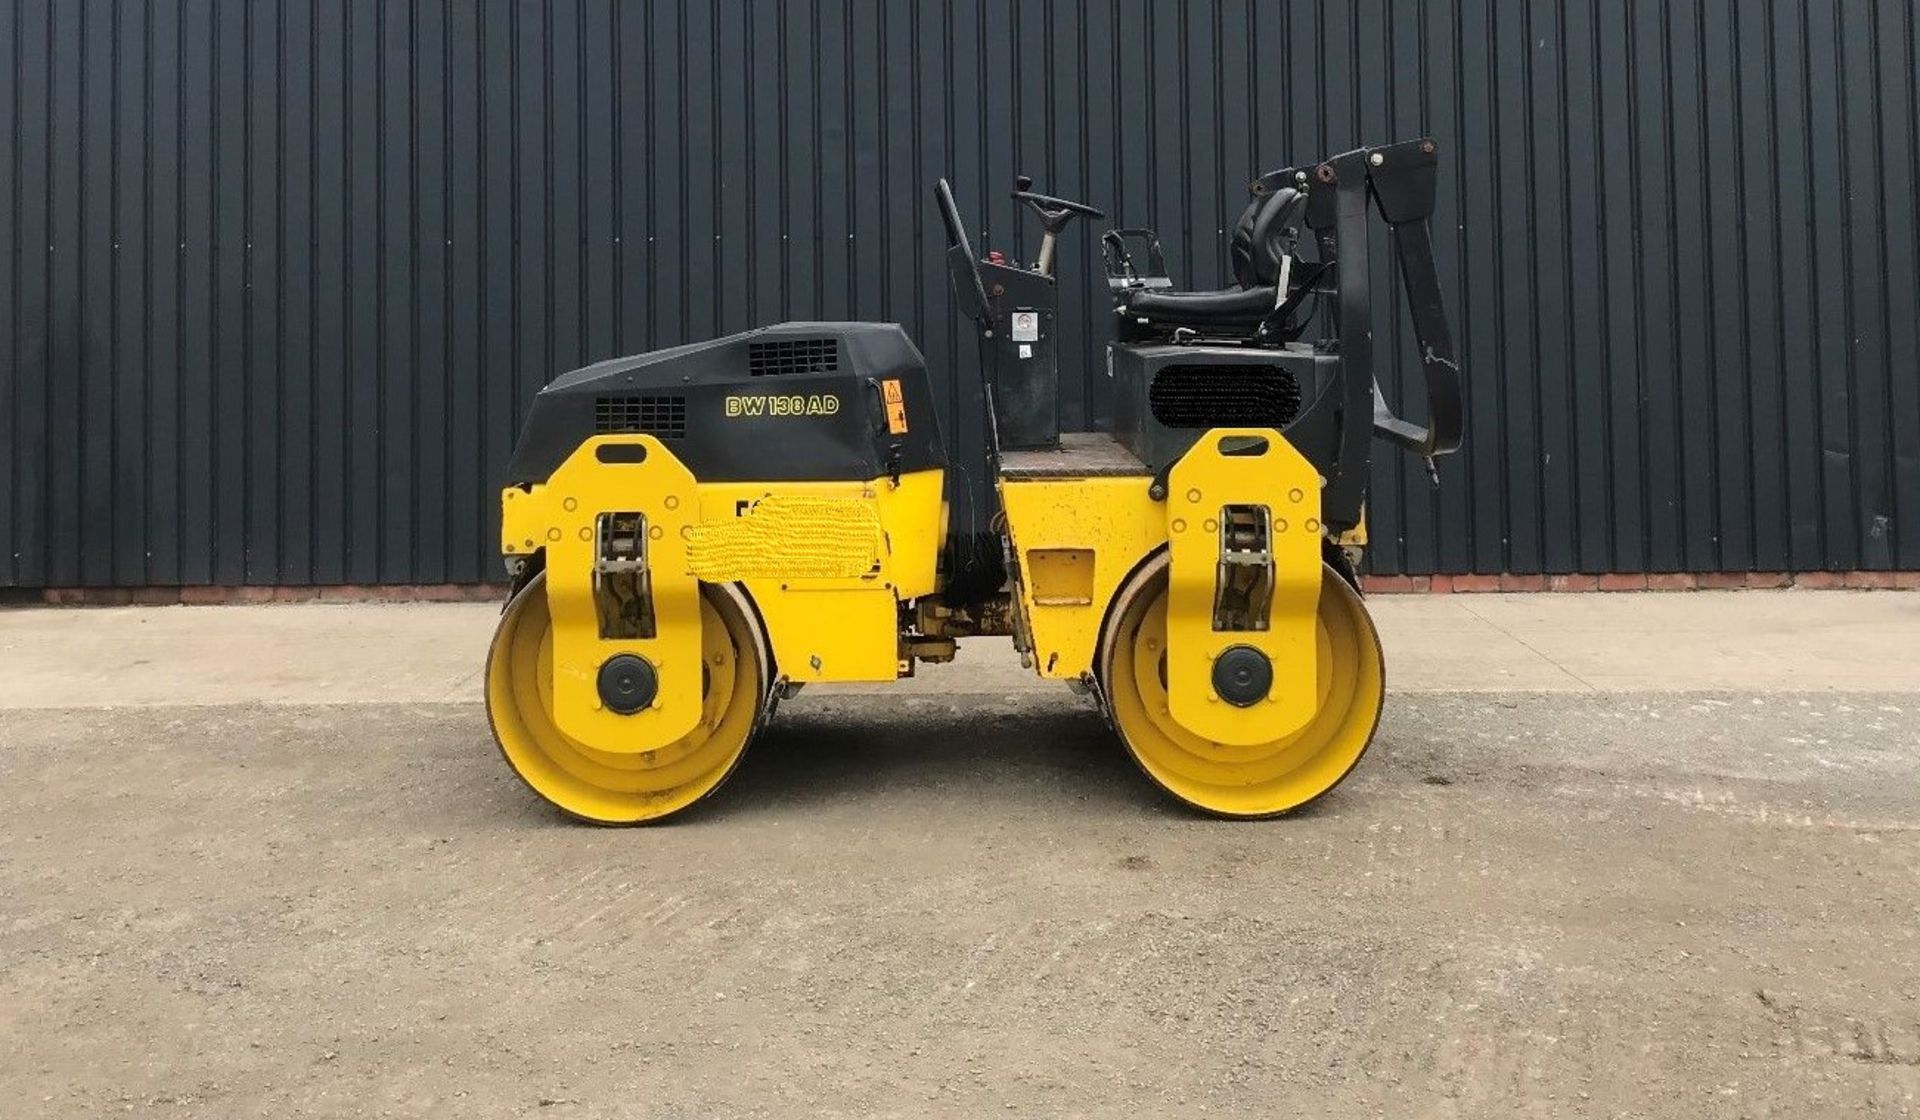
(1260,236)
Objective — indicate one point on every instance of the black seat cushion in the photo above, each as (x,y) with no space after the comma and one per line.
(1260,238)
(1259,249)
(1251,255)
(1228,307)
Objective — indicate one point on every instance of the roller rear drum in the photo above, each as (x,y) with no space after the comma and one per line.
(1260,780)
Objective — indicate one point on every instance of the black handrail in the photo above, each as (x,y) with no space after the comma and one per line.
(1402,179)
(960,255)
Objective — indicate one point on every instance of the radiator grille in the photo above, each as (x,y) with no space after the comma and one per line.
(1220,396)
(793,355)
(665,417)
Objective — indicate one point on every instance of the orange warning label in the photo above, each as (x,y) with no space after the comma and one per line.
(896,406)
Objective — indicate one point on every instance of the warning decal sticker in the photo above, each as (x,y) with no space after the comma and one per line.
(896,406)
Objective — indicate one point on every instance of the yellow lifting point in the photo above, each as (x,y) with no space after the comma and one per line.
(628,473)
(1257,471)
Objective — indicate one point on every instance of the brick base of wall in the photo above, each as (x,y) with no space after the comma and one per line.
(1655,581)
(210,596)
(1376,585)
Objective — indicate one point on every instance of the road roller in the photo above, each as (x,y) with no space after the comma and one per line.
(695,534)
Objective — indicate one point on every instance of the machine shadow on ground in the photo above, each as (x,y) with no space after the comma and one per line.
(843,750)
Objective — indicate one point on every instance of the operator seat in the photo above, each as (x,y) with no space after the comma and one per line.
(1261,241)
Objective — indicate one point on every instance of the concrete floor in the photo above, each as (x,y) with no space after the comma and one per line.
(1648,855)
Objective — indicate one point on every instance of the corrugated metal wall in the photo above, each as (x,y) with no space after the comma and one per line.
(280,277)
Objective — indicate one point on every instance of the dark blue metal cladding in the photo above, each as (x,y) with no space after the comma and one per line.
(281,276)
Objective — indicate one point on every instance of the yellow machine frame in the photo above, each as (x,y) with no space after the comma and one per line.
(767,536)
(1076,540)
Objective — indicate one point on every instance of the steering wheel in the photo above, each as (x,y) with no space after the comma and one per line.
(1054,212)
(957,243)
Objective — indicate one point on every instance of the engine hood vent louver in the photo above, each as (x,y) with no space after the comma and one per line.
(793,355)
(662,416)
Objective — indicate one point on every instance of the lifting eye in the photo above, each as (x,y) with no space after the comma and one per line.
(621,453)
(1250,447)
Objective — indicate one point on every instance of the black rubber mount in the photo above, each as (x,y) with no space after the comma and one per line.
(1242,676)
(628,683)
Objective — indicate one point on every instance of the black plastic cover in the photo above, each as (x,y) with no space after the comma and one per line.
(793,402)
